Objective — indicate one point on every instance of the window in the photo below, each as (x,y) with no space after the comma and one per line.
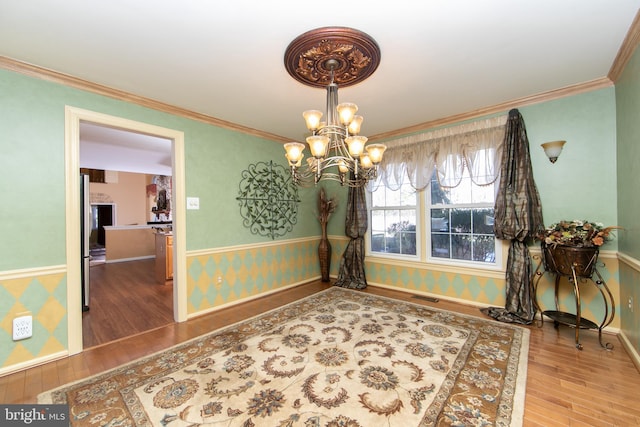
(461,222)
(458,222)
(452,223)
(393,220)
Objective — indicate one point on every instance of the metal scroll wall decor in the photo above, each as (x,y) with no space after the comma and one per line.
(268,199)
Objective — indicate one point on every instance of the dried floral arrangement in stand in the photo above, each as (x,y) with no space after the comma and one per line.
(577,233)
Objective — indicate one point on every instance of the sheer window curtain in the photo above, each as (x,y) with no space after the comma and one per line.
(476,146)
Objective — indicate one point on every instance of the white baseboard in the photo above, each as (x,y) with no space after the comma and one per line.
(631,351)
(33,363)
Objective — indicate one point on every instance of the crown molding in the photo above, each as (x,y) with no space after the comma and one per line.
(498,108)
(627,48)
(56,77)
(67,80)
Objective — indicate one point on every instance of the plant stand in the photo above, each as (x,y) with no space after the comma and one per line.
(578,265)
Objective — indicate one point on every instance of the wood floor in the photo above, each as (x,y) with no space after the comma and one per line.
(565,386)
(125,299)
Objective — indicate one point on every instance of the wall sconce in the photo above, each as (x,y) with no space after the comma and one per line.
(553,149)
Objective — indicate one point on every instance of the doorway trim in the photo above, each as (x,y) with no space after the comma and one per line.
(73,117)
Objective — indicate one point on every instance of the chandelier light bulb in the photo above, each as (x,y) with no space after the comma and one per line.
(354,126)
(294,153)
(356,145)
(294,164)
(375,152)
(312,118)
(346,112)
(318,145)
(365,161)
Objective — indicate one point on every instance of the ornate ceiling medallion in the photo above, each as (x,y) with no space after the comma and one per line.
(351,54)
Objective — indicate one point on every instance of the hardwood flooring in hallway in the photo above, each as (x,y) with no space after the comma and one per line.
(125,299)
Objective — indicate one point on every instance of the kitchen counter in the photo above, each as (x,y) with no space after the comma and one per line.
(129,242)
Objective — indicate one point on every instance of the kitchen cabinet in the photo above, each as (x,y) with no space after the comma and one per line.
(164,257)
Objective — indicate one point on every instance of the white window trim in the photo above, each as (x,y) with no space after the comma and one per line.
(423,243)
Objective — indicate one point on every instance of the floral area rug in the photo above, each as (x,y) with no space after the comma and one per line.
(340,358)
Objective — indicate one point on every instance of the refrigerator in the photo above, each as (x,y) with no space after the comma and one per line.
(85,234)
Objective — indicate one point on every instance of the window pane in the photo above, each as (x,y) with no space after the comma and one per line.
(484,248)
(378,197)
(483,221)
(440,220)
(408,195)
(406,232)
(393,198)
(461,220)
(391,218)
(440,247)
(392,227)
(439,195)
(460,230)
(461,246)
(377,242)
(377,221)
(394,230)
(408,242)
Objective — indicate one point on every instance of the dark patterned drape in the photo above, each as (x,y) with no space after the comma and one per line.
(351,273)
(518,217)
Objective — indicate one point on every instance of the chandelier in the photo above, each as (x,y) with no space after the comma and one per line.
(323,58)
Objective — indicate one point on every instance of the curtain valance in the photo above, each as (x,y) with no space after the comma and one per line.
(476,146)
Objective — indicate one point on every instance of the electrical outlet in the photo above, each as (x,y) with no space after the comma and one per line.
(219,279)
(22,327)
(631,304)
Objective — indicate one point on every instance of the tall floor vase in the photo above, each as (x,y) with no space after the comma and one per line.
(324,255)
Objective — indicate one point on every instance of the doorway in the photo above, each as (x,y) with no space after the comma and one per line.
(121,163)
(73,118)
(102,215)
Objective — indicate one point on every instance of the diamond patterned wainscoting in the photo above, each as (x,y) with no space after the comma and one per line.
(456,286)
(225,276)
(489,289)
(43,295)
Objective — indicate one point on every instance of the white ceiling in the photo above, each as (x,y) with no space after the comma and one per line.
(102,147)
(225,59)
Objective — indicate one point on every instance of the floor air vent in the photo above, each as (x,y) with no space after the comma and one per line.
(430,299)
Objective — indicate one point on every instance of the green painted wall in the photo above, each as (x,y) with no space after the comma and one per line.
(628,152)
(32,171)
(582,183)
(628,109)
